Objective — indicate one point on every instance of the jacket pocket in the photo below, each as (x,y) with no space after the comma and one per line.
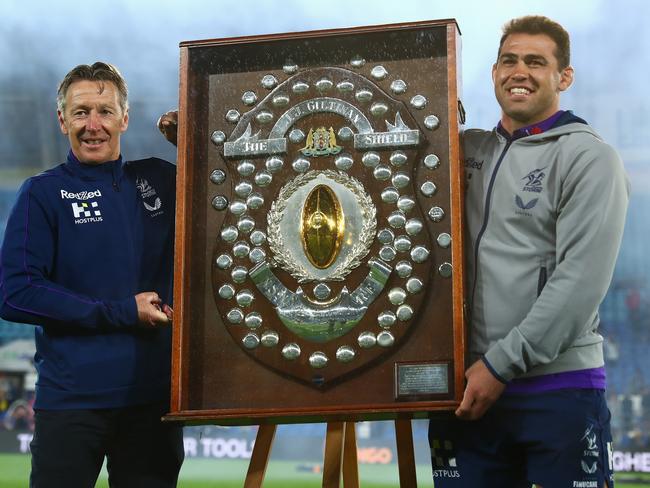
(541,280)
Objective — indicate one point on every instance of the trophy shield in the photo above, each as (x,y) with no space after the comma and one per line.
(320,244)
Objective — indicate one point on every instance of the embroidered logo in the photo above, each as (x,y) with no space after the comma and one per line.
(148,192)
(589,469)
(588,463)
(82,195)
(534,180)
(473,163)
(443,459)
(525,206)
(591,441)
(86,212)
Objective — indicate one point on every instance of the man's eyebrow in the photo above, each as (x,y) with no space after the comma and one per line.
(508,56)
(535,57)
(526,57)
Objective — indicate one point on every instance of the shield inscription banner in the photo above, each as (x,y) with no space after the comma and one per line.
(320,223)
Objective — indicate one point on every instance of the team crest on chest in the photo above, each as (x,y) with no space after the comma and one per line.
(534,180)
(150,199)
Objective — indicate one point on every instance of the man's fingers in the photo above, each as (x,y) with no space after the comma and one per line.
(160,317)
(151,309)
(465,406)
(167,310)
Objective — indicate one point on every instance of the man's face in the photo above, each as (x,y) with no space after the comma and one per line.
(527,80)
(93,121)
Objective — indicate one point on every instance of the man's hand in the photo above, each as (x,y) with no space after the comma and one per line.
(482,390)
(152,312)
(168,125)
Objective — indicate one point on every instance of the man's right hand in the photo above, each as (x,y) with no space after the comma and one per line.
(151,310)
(482,390)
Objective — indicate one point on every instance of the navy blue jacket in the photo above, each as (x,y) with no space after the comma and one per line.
(80,243)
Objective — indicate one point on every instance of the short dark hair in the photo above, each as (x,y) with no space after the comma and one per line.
(538,24)
(96,72)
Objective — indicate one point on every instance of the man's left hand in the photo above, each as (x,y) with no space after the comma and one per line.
(168,125)
(482,390)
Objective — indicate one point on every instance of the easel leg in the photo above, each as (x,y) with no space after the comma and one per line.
(333,454)
(350,460)
(405,453)
(260,456)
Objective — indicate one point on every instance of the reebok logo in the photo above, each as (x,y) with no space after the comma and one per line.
(82,195)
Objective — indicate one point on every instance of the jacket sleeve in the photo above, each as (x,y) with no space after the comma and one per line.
(589,228)
(27,292)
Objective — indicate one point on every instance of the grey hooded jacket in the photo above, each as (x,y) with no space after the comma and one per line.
(544,220)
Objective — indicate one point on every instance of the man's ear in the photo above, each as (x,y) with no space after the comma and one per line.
(125,121)
(64,129)
(566,78)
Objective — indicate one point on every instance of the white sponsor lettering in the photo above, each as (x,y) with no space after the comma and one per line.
(610,455)
(446,473)
(82,195)
(226,448)
(88,220)
(24,440)
(631,461)
(585,484)
(190,446)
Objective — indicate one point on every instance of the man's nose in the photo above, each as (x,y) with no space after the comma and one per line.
(520,71)
(92,122)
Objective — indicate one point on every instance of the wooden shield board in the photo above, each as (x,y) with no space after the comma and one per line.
(319,269)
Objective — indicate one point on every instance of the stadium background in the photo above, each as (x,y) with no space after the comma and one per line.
(41,41)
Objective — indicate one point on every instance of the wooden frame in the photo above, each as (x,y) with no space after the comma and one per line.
(216,381)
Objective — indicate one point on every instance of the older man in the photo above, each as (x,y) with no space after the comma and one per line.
(87,257)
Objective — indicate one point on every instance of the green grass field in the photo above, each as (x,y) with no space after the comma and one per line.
(210,473)
(204,473)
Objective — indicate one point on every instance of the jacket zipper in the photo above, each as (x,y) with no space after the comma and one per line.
(541,281)
(488,199)
(116,186)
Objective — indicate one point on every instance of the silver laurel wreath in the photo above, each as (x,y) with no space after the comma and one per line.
(358,251)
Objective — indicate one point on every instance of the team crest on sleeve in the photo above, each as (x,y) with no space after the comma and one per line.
(150,198)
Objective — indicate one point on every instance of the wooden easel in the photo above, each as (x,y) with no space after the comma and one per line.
(340,457)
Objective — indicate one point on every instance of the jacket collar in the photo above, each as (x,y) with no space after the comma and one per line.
(558,119)
(530,130)
(109,170)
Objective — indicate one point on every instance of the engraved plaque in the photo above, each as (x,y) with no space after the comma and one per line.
(421,380)
(309,271)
